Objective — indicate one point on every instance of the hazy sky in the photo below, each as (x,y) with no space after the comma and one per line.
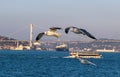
(99,17)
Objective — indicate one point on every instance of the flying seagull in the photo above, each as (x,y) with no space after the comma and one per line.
(83,61)
(50,32)
(79,31)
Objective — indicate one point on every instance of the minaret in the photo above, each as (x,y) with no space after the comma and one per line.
(31,32)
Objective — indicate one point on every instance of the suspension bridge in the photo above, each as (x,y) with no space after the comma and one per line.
(17,42)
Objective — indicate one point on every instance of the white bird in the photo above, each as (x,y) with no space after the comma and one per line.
(79,31)
(83,61)
(50,32)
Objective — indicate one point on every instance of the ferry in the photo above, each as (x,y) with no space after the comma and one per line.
(84,54)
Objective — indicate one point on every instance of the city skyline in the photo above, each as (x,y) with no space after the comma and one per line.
(100,18)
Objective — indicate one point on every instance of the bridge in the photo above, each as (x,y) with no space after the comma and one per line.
(14,41)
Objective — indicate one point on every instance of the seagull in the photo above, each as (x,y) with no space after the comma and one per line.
(83,61)
(79,31)
(50,32)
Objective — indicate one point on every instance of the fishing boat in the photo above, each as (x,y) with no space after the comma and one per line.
(84,54)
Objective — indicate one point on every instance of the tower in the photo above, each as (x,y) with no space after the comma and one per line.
(31,32)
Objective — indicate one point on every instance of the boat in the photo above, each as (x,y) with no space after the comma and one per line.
(85,54)
(105,50)
(62,47)
(20,47)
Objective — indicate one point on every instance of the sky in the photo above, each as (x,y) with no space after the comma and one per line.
(99,17)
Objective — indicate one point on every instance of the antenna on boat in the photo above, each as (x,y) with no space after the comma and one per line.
(31,32)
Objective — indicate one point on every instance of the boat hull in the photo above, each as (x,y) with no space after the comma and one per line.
(83,54)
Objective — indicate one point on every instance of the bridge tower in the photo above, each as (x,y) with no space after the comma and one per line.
(31,33)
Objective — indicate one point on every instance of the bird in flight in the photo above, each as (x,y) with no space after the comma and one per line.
(50,32)
(79,31)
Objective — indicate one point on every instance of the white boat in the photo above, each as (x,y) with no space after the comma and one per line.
(62,47)
(105,50)
(38,48)
(20,47)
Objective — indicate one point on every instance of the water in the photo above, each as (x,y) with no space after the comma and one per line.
(52,64)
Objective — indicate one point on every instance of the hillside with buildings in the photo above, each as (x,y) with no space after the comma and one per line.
(8,43)
(5,38)
(85,45)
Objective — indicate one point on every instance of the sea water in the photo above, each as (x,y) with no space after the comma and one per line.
(53,64)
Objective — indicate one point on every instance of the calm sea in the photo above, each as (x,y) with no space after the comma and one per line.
(53,64)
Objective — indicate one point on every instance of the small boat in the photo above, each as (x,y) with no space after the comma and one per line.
(62,47)
(85,54)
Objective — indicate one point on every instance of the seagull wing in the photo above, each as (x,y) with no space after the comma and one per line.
(84,32)
(67,30)
(83,61)
(39,36)
(54,28)
(73,29)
